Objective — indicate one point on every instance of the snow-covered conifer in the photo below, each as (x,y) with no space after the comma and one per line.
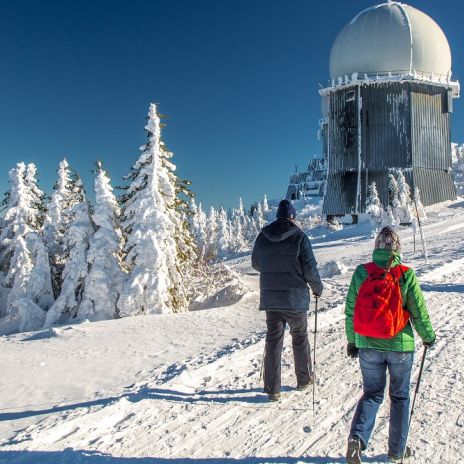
(265,205)
(238,243)
(75,246)
(211,251)
(393,197)
(57,220)
(418,204)
(21,214)
(404,197)
(223,235)
(155,232)
(103,282)
(198,221)
(373,205)
(258,217)
(21,248)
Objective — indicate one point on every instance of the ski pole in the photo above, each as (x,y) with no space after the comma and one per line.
(424,245)
(314,351)
(414,400)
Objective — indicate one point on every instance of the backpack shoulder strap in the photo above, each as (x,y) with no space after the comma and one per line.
(399,271)
(371,268)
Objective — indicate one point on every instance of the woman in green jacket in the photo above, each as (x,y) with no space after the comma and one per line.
(377,355)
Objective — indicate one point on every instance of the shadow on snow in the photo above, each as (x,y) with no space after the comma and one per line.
(201,397)
(71,456)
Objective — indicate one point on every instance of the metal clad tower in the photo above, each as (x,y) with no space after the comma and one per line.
(388,106)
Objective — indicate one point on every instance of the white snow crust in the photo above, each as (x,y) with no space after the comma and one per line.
(185,388)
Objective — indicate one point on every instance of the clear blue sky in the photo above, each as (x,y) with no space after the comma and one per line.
(239,80)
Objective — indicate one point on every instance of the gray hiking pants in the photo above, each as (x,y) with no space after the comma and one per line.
(276,322)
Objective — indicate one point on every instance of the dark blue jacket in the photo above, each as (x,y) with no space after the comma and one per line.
(284,258)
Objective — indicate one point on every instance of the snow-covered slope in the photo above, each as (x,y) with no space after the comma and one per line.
(185,388)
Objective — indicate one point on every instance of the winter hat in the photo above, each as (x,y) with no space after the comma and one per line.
(286,210)
(388,239)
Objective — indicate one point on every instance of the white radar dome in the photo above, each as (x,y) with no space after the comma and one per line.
(391,38)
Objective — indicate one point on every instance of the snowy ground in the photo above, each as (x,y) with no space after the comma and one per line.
(186,388)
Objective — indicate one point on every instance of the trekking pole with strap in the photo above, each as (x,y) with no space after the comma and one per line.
(414,400)
(314,351)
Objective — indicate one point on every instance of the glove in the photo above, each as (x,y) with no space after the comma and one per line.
(317,295)
(351,350)
(430,343)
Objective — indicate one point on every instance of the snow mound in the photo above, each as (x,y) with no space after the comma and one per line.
(226,296)
(332,268)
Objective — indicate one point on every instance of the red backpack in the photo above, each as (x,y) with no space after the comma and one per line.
(378,310)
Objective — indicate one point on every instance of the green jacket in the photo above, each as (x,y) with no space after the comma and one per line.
(413,301)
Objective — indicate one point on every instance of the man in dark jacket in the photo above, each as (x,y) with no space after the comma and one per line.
(284,257)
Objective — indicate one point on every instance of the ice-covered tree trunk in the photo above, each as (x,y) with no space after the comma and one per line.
(75,246)
(103,283)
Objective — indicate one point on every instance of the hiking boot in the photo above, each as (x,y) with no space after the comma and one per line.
(407,454)
(273,397)
(304,386)
(353,453)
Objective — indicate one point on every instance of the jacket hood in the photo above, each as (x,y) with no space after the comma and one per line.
(279,230)
(381,257)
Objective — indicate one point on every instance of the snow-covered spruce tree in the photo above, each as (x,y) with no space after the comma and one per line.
(22,252)
(186,253)
(75,242)
(103,282)
(238,243)
(22,212)
(404,197)
(393,197)
(265,205)
(418,204)
(153,227)
(258,217)
(250,229)
(223,238)
(373,205)
(57,220)
(198,221)
(211,251)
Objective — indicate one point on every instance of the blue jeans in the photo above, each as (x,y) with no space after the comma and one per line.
(374,365)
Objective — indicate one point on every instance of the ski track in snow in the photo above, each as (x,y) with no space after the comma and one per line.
(210,408)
